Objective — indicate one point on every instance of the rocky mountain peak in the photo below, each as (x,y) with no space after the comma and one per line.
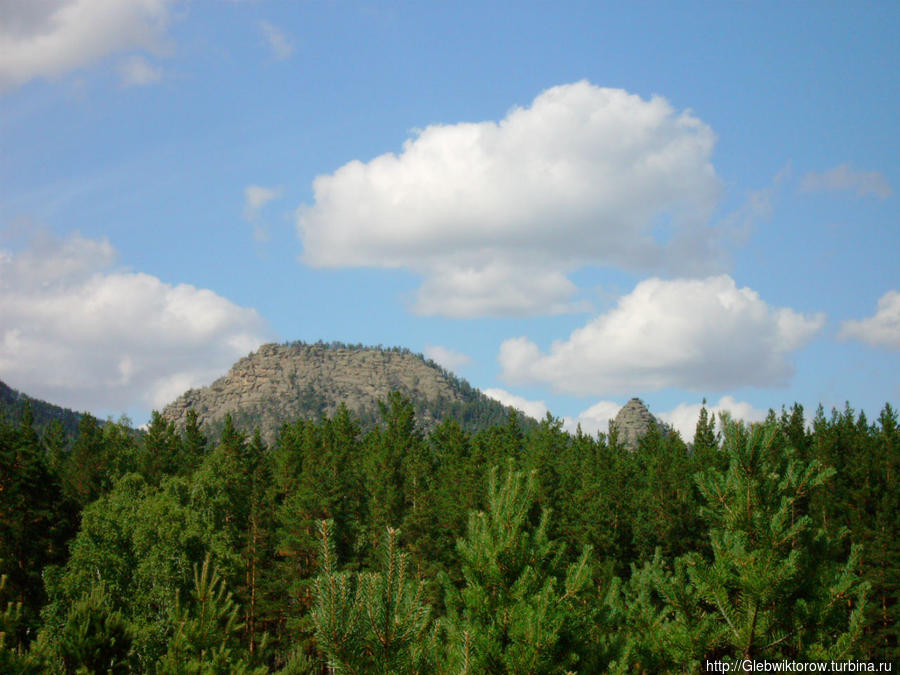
(633,421)
(284,382)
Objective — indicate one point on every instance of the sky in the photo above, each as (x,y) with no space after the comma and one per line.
(566,204)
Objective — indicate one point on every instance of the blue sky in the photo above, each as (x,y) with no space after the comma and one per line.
(568,205)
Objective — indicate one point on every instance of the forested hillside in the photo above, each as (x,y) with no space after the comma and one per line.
(12,406)
(506,550)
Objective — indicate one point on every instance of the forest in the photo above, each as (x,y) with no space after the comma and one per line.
(513,549)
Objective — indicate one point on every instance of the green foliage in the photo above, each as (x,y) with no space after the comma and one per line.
(772,588)
(34,519)
(194,443)
(389,452)
(161,447)
(705,448)
(317,474)
(865,500)
(665,502)
(141,542)
(13,404)
(206,638)
(519,611)
(94,638)
(372,622)
(99,455)
(584,557)
(13,658)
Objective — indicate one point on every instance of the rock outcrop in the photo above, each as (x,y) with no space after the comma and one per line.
(282,383)
(633,421)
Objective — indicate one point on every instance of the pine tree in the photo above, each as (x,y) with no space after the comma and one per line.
(193,443)
(882,555)
(161,449)
(706,441)
(34,522)
(372,622)
(771,586)
(94,638)
(657,622)
(318,476)
(86,474)
(13,658)
(456,489)
(54,441)
(258,540)
(519,611)
(390,448)
(206,636)
(665,500)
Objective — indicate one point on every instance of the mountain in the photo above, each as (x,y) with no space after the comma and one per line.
(12,404)
(633,421)
(283,382)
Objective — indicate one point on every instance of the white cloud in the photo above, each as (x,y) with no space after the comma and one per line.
(495,215)
(594,419)
(880,330)
(495,288)
(534,409)
(47,38)
(277,41)
(138,72)
(694,334)
(77,332)
(684,417)
(846,177)
(446,357)
(257,196)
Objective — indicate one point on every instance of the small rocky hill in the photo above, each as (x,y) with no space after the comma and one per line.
(633,421)
(282,383)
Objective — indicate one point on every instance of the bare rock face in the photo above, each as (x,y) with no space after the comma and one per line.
(633,421)
(282,383)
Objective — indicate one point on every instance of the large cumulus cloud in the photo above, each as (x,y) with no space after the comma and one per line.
(494,215)
(78,332)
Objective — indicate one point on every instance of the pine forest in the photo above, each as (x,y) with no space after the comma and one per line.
(517,548)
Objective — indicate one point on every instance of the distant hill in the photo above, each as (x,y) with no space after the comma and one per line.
(282,383)
(12,403)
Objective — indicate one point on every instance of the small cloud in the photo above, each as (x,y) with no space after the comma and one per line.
(138,72)
(256,197)
(880,330)
(758,206)
(446,357)
(536,409)
(846,177)
(276,40)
